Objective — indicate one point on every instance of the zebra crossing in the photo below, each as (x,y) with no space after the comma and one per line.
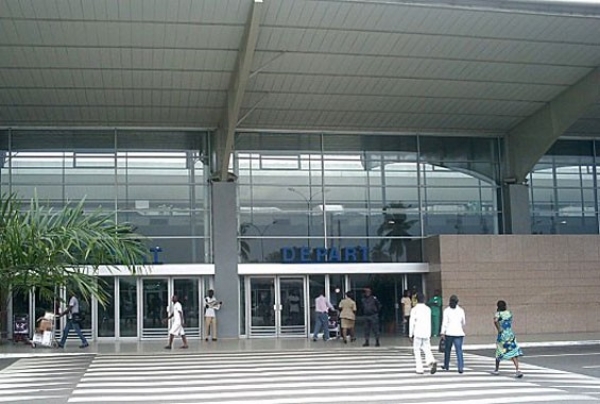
(47,379)
(296,377)
(559,379)
(383,375)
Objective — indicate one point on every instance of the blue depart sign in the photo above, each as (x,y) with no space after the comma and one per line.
(311,255)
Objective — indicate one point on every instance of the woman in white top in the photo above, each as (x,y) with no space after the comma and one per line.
(453,333)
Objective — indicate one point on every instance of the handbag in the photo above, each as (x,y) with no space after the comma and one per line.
(442,345)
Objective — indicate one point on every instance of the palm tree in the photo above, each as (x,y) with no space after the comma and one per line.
(395,224)
(44,248)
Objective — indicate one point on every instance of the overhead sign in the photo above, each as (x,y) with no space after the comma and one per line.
(320,254)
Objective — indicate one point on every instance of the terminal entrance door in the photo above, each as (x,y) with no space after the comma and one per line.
(156,305)
(277,306)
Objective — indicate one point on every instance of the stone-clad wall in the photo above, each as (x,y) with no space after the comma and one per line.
(551,283)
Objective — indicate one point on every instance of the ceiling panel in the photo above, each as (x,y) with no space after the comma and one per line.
(390,121)
(426,46)
(340,65)
(432,19)
(403,87)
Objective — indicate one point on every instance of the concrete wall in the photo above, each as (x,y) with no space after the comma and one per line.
(551,283)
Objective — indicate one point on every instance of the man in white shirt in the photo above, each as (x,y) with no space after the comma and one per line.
(177,324)
(74,319)
(322,307)
(211,305)
(420,333)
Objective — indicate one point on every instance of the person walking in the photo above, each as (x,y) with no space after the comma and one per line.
(371,308)
(74,319)
(176,329)
(435,304)
(348,316)
(453,333)
(322,307)
(211,306)
(420,334)
(406,304)
(506,342)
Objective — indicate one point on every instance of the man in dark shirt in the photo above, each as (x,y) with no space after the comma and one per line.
(371,308)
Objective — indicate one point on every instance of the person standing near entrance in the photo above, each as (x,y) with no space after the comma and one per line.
(348,316)
(420,334)
(435,304)
(211,306)
(371,308)
(176,329)
(322,307)
(74,319)
(406,304)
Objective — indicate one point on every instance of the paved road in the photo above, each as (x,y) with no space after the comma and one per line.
(580,363)
(381,376)
(6,362)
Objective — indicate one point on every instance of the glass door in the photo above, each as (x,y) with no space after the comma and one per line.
(292,307)
(189,296)
(128,307)
(262,306)
(277,306)
(155,300)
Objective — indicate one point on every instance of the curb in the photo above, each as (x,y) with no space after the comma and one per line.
(25,355)
(468,347)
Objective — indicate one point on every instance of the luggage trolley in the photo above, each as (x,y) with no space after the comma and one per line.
(333,324)
(44,332)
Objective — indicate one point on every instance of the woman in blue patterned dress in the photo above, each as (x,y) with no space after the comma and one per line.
(506,343)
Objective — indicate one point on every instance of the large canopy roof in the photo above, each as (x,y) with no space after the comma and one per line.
(342,65)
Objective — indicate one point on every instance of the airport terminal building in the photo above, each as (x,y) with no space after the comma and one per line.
(274,149)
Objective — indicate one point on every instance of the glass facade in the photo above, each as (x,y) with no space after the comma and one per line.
(563,189)
(155,180)
(355,198)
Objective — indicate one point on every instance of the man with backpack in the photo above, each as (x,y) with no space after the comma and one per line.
(371,308)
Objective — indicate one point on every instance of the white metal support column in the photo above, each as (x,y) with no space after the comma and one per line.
(237,88)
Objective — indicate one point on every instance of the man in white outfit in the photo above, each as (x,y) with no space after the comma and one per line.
(177,324)
(420,333)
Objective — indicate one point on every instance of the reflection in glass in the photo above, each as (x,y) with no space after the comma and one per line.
(336,289)
(262,301)
(106,313)
(156,299)
(189,297)
(292,306)
(128,307)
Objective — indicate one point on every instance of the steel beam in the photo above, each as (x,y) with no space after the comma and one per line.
(530,139)
(235,95)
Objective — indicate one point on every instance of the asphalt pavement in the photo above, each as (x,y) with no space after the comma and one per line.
(577,359)
(5,362)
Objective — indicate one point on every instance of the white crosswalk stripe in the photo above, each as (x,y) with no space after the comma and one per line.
(355,376)
(559,379)
(41,379)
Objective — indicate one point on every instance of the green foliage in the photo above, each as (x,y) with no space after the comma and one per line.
(47,248)
(395,225)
